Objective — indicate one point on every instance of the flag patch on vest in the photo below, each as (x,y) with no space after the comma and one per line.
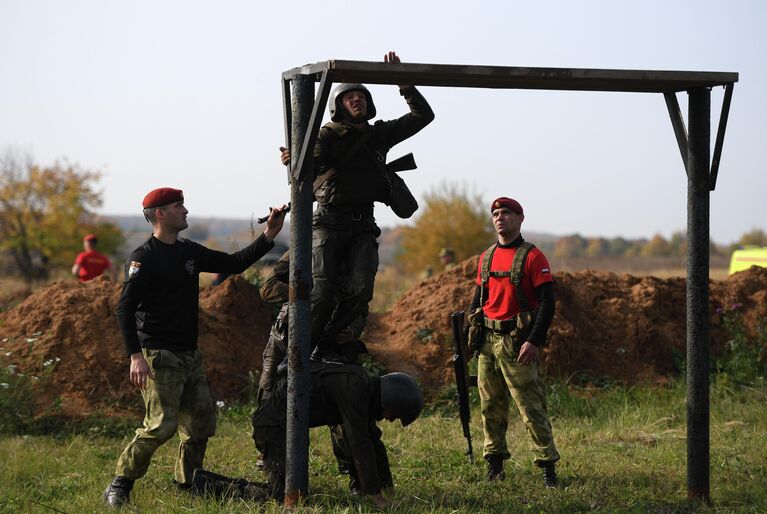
(133,269)
(545,270)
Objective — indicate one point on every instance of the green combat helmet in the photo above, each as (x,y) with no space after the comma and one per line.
(337,110)
(402,394)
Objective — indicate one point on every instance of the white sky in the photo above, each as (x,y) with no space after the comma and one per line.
(187,94)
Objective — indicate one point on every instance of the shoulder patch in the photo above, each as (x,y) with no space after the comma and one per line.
(133,269)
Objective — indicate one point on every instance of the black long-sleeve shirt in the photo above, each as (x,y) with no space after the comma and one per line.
(159,303)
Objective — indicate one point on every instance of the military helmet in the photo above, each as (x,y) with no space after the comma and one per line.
(401,394)
(337,110)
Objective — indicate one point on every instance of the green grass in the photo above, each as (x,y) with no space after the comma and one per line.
(623,450)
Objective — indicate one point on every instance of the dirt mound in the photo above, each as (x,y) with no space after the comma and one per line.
(623,327)
(629,329)
(75,323)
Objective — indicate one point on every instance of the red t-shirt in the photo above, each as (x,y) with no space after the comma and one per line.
(501,296)
(92,264)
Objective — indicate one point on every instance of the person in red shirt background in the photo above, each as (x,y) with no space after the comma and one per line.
(90,263)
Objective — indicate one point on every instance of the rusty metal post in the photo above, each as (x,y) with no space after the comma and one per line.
(299,380)
(698,159)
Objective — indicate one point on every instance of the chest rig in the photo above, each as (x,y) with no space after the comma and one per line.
(515,274)
(339,184)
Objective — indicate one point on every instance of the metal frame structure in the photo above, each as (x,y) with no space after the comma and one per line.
(304,110)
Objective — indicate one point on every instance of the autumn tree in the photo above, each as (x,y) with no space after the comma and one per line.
(678,244)
(755,237)
(45,211)
(656,247)
(570,246)
(618,246)
(450,216)
(597,247)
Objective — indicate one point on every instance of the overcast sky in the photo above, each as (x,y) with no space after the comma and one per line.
(187,94)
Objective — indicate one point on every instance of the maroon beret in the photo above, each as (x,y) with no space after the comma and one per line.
(162,196)
(90,237)
(509,203)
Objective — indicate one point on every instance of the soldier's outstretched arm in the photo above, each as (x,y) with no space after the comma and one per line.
(392,58)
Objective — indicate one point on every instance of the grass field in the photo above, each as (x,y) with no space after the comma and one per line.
(623,450)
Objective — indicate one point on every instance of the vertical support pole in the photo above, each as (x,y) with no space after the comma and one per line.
(698,450)
(299,380)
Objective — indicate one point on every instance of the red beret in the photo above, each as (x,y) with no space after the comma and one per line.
(90,237)
(162,196)
(509,203)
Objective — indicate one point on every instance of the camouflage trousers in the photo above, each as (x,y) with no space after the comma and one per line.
(500,378)
(177,399)
(344,266)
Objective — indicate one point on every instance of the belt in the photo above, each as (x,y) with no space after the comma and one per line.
(355,212)
(502,326)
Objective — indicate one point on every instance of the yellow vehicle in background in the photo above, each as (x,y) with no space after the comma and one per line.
(747,257)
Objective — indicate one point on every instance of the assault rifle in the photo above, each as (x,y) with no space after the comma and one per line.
(263,219)
(462,379)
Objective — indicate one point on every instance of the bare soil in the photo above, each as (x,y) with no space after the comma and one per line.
(619,327)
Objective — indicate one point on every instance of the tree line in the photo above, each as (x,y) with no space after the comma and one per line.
(46,210)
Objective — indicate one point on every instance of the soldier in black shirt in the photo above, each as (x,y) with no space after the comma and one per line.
(157,313)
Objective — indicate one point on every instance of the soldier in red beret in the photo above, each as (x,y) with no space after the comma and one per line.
(510,316)
(90,263)
(157,313)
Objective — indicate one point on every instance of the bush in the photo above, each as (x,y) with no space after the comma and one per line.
(17,394)
(743,361)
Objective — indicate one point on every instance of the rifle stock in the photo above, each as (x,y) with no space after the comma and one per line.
(404,163)
(462,379)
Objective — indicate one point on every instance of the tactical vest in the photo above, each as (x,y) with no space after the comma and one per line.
(515,274)
(358,175)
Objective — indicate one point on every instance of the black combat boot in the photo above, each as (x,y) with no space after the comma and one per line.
(495,467)
(118,491)
(549,474)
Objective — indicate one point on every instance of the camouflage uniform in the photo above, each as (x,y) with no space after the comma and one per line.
(274,290)
(347,182)
(178,397)
(500,376)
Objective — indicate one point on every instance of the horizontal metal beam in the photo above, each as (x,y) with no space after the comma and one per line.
(508,77)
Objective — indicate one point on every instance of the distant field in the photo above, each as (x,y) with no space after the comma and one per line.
(661,267)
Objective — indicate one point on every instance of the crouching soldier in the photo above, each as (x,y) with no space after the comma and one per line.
(347,396)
